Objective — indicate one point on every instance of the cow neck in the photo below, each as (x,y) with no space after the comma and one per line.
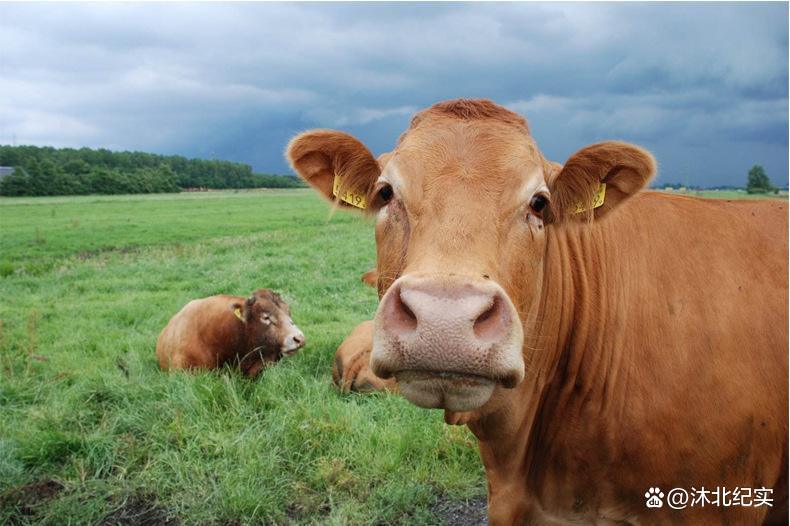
(239,342)
(247,343)
(565,367)
(580,282)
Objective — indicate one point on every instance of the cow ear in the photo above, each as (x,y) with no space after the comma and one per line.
(238,310)
(335,164)
(596,179)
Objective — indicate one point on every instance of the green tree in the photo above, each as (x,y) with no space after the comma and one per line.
(16,184)
(76,167)
(758,182)
(9,156)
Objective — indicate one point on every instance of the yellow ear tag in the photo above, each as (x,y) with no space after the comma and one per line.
(599,197)
(351,198)
(237,312)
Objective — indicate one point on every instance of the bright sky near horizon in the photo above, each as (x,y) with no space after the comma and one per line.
(704,86)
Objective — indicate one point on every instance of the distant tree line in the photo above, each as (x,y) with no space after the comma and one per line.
(757,182)
(68,171)
(678,186)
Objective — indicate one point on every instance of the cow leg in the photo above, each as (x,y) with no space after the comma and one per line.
(510,509)
(351,370)
(507,504)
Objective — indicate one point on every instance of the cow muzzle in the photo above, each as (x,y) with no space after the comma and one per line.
(294,340)
(448,340)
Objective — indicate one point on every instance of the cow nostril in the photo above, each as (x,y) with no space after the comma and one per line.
(407,311)
(399,316)
(487,314)
(298,339)
(406,314)
(490,322)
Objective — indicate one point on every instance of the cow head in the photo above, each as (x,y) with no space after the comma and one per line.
(268,325)
(463,206)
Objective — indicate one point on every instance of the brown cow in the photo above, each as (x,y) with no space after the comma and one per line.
(351,370)
(599,340)
(210,332)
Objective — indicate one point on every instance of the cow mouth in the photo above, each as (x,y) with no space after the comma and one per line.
(444,389)
(284,352)
(289,349)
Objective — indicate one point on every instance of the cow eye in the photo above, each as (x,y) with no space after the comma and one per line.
(538,204)
(385,194)
(266,319)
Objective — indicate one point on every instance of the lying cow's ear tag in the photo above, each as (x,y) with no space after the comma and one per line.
(349,197)
(599,198)
(237,312)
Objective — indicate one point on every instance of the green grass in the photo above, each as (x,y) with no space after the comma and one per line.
(87,283)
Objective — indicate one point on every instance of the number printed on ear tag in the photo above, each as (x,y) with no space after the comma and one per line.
(599,198)
(351,198)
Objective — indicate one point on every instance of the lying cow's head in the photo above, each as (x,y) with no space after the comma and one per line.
(462,206)
(270,329)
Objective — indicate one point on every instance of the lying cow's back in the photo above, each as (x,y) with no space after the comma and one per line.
(193,337)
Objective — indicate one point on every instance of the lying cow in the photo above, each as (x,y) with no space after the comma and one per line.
(599,341)
(351,370)
(210,332)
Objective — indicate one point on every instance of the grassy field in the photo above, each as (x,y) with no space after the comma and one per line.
(92,432)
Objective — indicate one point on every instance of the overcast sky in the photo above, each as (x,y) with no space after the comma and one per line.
(704,86)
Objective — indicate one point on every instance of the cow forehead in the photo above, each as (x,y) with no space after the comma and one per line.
(269,299)
(461,157)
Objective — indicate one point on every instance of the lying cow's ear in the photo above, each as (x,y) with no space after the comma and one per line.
(238,310)
(335,164)
(247,310)
(596,179)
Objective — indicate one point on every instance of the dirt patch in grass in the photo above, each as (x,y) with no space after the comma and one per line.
(138,511)
(28,497)
(470,512)
(298,512)
(83,255)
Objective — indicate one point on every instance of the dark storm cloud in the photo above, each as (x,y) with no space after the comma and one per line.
(702,85)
